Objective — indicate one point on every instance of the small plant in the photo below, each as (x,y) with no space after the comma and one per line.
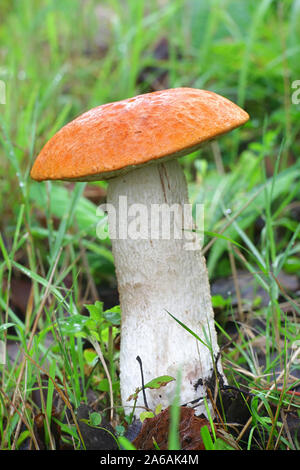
(59,346)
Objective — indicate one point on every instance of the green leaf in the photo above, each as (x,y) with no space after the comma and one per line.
(113,315)
(95,310)
(188,329)
(146,415)
(32,275)
(173,439)
(222,445)
(158,409)
(206,437)
(159,382)
(90,356)
(95,419)
(73,324)
(156,383)
(4,253)
(292,265)
(218,301)
(103,386)
(5,326)
(223,237)
(85,210)
(125,443)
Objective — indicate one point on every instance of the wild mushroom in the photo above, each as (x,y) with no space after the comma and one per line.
(135,144)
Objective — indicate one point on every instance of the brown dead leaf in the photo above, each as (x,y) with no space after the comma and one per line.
(157,430)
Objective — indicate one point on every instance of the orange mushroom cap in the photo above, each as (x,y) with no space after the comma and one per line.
(120,136)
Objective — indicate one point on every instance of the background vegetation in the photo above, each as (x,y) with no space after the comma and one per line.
(58,59)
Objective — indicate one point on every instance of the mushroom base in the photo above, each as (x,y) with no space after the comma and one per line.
(160,274)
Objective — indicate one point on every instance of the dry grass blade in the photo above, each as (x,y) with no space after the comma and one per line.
(22,413)
(220,167)
(281,375)
(22,418)
(59,391)
(101,357)
(232,219)
(34,327)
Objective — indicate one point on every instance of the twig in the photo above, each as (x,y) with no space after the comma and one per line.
(96,346)
(294,356)
(143,383)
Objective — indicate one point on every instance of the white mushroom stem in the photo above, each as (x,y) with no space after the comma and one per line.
(156,276)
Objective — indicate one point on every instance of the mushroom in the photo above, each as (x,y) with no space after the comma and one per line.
(135,144)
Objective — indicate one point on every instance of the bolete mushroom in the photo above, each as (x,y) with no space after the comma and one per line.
(135,144)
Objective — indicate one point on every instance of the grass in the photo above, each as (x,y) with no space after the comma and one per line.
(61,58)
